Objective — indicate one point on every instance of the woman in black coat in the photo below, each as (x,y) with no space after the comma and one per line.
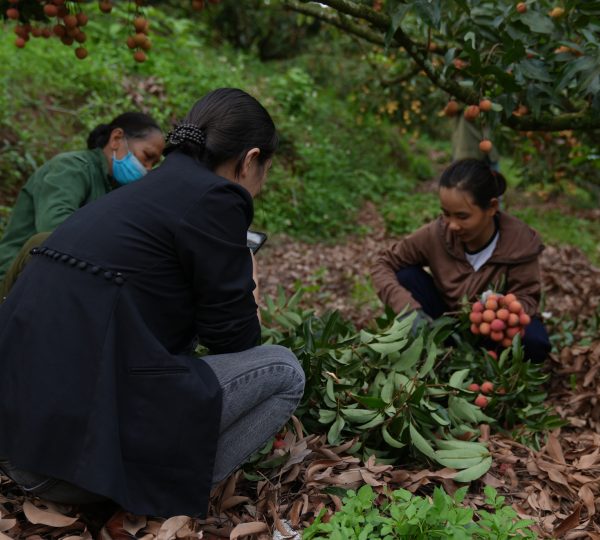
(101,395)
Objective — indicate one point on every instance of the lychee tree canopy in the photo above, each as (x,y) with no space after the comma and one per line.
(537,61)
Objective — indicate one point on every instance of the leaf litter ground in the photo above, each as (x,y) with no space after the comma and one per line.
(558,486)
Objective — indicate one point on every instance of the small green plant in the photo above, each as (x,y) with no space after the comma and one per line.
(366,515)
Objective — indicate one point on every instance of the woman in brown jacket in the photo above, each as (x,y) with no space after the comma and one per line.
(471,248)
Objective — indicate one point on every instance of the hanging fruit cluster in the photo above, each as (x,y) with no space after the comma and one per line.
(139,41)
(65,19)
(471,113)
(499,317)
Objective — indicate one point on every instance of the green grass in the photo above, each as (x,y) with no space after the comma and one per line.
(559,228)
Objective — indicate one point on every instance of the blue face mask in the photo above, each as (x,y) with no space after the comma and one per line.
(127,170)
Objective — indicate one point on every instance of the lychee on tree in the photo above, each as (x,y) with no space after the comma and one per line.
(64,20)
(472,244)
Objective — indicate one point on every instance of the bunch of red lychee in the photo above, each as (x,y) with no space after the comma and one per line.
(501,317)
(485,388)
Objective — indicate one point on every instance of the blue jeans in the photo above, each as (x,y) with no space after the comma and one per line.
(261,390)
(422,288)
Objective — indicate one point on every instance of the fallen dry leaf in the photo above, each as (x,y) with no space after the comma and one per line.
(246,529)
(568,523)
(39,516)
(170,527)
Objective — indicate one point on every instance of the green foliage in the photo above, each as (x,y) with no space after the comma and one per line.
(405,212)
(556,227)
(401,514)
(561,163)
(566,330)
(400,388)
(261,26)
(491,49)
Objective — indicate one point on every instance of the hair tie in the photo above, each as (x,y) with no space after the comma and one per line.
(186,133)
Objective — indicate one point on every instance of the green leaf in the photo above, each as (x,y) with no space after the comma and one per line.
(421,443)
(387,391)
(534,69)
(429,362)
(453,459)
(400,381)
(295,299)
(329,389)
(358,415)
(294,317)
(333,435)
(429,10)
(372,402)
(389,338)
(394,443)
(572,68)
(386,349)
(396,20)
(274,462)
(326,416)
(454,444)
(284,321)
(457,379)
(411,356)
(470,36)
(270,304)
(441,421)
(537,22)
(379,419)
(461,408)
(280,297)
(470,450)
(403,323)
(472,473)
(366,337)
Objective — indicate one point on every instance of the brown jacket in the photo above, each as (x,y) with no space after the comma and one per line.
(514,261)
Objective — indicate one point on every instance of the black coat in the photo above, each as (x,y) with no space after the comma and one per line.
(98,385)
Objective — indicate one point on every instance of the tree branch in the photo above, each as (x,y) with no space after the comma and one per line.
(583,119)
(336,19)
(382,22)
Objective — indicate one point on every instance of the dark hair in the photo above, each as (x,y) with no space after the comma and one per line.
(136,125)
(227,123)
(475,177)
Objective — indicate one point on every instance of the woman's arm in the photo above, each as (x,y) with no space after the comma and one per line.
(411,251)
(211,245)
(524,281)
(61,191)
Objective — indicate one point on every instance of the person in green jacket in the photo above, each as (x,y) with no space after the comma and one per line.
(118,153)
